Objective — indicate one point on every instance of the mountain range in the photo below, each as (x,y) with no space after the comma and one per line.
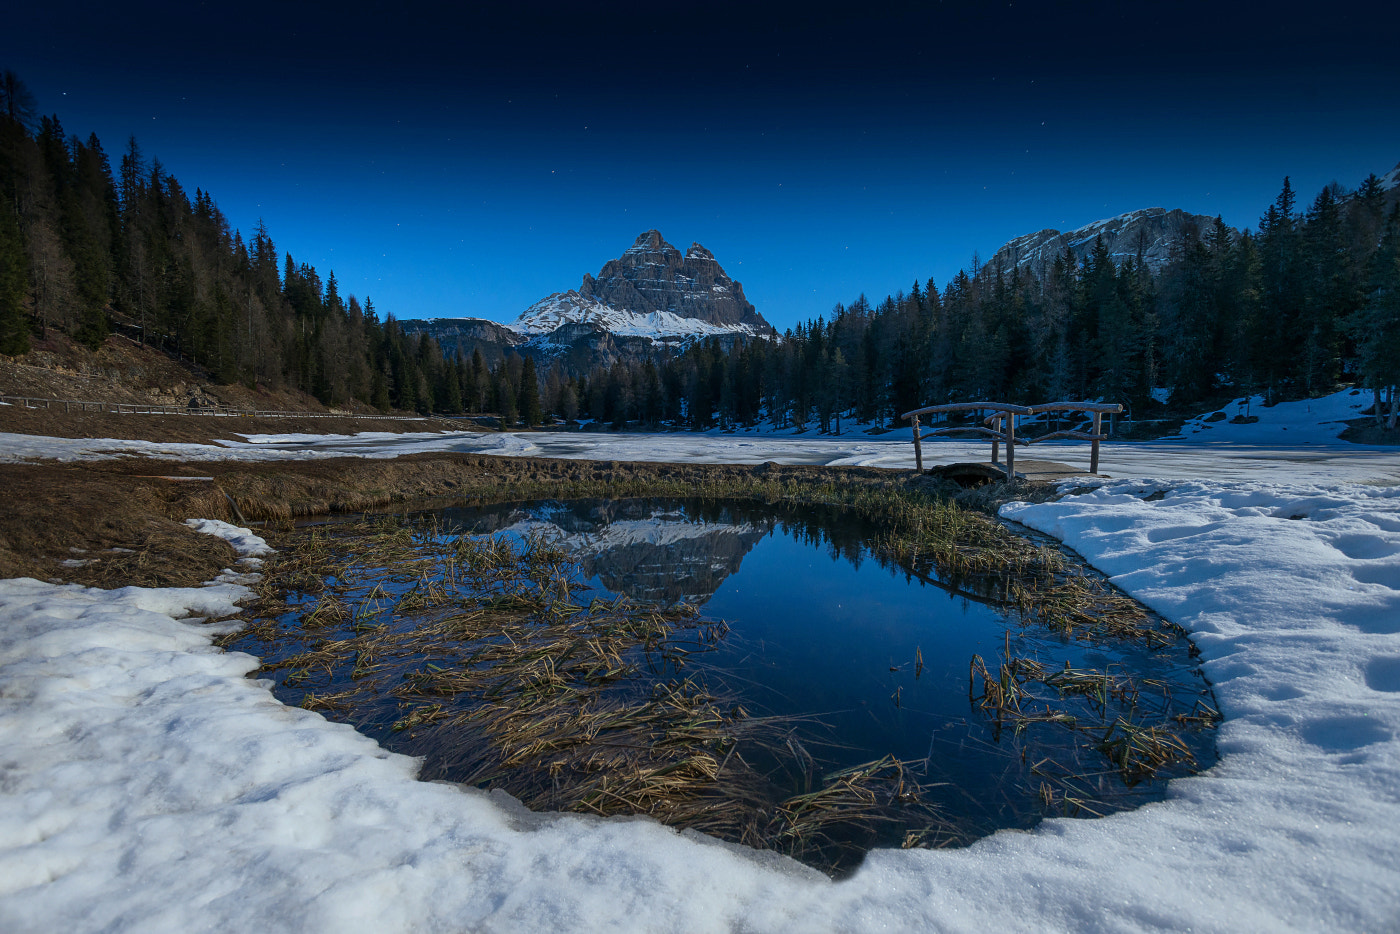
(653,299)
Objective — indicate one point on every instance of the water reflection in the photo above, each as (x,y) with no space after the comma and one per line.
(874,657)
(505,671)
(652,552)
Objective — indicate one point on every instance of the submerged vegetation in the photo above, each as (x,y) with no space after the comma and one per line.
(483,651)
(488,657)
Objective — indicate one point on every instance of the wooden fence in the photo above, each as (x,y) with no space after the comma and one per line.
(1001,426)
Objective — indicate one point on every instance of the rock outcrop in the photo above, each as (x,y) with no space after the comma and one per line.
(653,277)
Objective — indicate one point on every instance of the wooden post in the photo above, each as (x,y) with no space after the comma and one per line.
(1094,451)
(1011,445)
(918,451)
(996,441)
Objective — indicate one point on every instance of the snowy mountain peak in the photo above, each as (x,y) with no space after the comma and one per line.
(1391,179)
(653,291)
(651,298)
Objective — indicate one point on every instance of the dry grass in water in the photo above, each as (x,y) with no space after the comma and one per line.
(1128,721)
(488,657)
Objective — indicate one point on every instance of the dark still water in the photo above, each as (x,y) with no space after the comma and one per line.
(874,659)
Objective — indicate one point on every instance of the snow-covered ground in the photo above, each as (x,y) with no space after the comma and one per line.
(147,785)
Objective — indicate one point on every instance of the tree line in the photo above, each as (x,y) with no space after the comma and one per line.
(86,249)
(1309,300)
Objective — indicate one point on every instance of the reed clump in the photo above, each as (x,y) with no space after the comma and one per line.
(1131,722)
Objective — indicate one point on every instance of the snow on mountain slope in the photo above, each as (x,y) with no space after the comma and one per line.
(551,313)
(650,298)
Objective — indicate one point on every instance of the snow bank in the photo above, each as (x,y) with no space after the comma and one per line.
(149,786)
(244,541)
(1307,421)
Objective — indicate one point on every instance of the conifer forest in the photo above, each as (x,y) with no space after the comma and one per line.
(92,243)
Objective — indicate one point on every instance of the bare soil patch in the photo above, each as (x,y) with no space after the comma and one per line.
(201,429)
(122,371)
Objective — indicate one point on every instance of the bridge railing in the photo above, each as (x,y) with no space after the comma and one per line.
(1000,426)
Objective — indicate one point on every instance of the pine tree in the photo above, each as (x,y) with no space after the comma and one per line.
(1280,330)
(1375,325)
(14,327)
(1328,296)
(530,409)
(17,102)
(505,398)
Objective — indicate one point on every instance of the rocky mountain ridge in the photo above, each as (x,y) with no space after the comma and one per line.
(649,300)
(652,289)
(1154,233)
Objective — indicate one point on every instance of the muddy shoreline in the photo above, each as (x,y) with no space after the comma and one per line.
(125,517)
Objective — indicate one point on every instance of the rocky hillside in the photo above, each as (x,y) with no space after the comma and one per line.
(1155,232)
(120,370)
(649,300)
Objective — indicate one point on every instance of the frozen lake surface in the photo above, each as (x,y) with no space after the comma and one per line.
(1290,441)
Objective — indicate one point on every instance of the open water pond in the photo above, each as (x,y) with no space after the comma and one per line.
(833,709)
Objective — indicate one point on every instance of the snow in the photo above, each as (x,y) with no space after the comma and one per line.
(244,541)
(1391,179)
(148,785)
(1311,421)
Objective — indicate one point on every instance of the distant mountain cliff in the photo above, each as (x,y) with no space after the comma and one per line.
(1156,233)
(650,299)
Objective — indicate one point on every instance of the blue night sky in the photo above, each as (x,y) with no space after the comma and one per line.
(470,163)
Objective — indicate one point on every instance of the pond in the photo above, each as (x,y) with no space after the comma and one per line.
(824,681)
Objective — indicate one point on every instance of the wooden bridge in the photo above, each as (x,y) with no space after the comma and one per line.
(1000,426)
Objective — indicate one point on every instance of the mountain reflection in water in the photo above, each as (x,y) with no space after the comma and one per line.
(651,551)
